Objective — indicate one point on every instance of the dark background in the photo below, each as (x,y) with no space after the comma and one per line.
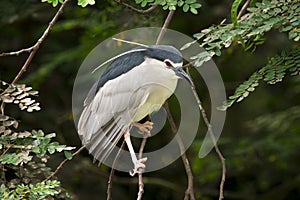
(260,140)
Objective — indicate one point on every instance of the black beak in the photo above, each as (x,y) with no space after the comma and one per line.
(182,74)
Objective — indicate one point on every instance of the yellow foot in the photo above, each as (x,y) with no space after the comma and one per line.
(139,166)
(145,127)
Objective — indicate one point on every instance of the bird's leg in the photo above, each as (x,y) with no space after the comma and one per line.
(139,165)
(145,127)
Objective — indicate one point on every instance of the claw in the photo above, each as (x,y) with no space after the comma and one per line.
(139,166)
(145,127)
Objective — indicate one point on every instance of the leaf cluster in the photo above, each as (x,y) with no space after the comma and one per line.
(82,3)
(30,191)
(21,95)
(25,153)
(276,69)
(187,5)
(283,15)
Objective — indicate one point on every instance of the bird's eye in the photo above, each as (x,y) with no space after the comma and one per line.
(168,63)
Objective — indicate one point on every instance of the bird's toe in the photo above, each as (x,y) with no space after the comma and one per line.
(139,166)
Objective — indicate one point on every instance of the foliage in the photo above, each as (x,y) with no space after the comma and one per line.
(24,153)
(273,72)
(186,5)
(53,2)
(30,191)
(283,15)
(19,94)
(82,3)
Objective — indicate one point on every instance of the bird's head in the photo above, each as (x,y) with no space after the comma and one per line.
(170,57)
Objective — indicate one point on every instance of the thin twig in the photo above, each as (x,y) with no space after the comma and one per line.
(137,10)
(165,26)
(140,174)
(112,172)
(35,47)
(16,53)
(243,9)
(189,193)
(62,164)
(218,151)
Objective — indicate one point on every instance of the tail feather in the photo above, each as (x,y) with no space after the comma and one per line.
(104,140)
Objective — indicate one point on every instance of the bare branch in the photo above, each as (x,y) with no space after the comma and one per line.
(35,47)
(62,164)
(218,151)
(189,193)
(140,175)
(112,172)
(16,53)
(165,26)
(137,10)
(243,9)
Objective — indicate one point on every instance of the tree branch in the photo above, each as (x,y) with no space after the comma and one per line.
(140,174)
(112,172)
(243,9)
(35,47)
(16,53)
(189,193)
(165,26)
(218,151)
(62,164)
(153,7)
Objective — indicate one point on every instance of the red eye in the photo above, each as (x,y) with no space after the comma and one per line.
(168,64)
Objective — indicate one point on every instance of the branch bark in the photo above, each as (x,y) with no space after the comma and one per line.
(111,174)
(153,7)
(189,193)
(140,174)
(243,9)
(217,149)
(16,53)
(165,26)
(36,46)
(62,164)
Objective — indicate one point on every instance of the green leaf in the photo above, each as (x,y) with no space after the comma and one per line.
(36,149)
(84,3)
(234,11)
(68,155)
(187,45)
(196,5)
(172,7)
(190,1)
(194,11)
(53,2)
(144,3)
(185,8)
(51,149)
(165,7)
(180,3)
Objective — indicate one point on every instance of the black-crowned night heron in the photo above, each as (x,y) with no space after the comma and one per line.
(136,84)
